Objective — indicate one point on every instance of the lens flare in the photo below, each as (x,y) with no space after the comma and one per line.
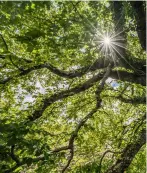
(107,41)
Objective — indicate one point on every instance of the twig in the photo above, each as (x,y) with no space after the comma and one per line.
(69,160)
(104,154)
(10,55)
(4,41)
(13,155)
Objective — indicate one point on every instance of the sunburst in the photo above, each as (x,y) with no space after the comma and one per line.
(110,43)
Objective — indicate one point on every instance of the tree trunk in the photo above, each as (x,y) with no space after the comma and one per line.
(128,154)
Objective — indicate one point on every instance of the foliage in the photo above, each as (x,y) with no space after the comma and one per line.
(60,101)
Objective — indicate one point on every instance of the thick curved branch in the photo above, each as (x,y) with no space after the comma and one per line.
(135,100)
(119,22)
(98,64)
(66,93)
(128,154)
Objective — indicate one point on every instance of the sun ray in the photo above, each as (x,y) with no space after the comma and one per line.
(113,36)
(118,39)
(119,45)
(122,57)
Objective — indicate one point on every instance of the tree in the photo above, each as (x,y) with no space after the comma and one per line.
(72,86)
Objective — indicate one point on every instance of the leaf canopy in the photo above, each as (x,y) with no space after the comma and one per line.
(69,102)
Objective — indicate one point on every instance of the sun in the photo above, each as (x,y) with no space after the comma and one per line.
(107,40)
(109,43)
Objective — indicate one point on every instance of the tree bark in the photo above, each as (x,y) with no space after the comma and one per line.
(128,154)
(140,16)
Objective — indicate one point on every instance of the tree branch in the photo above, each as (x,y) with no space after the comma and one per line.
(98,64)
(88,116)
(66,93)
